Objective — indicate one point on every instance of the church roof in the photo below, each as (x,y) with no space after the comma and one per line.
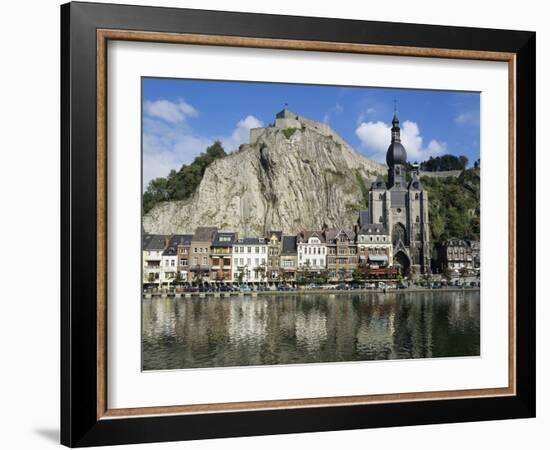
(332,233)
(379,183)
(396,154)
(372,228)
(415,183)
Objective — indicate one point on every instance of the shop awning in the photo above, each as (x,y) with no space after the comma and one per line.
(378,258)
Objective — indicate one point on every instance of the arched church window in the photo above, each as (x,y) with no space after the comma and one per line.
(380,196)
(416,195)
(417,219)
(397,170)
(399,234)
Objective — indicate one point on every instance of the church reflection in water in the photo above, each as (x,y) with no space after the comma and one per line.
(291,329)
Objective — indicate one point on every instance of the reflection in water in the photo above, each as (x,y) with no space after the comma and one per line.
(271,329)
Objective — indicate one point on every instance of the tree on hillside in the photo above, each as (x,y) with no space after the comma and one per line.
(181,184)
(454,206)
(444,162)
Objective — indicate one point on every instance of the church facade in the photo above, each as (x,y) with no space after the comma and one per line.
(400,205)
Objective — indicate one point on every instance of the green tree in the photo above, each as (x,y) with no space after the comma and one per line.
(180,185)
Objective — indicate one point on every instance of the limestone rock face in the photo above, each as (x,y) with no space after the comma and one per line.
(289,178)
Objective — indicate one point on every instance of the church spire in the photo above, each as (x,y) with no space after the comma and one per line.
(395,130)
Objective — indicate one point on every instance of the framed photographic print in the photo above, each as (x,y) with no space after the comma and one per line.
(277,224)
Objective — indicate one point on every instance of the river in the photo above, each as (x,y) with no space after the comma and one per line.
(308,328)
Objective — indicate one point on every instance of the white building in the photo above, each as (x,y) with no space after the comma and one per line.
(152,247)
(312,250)
(169,262)
(249,260)
(374,245)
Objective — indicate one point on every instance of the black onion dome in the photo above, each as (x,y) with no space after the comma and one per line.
(396,154)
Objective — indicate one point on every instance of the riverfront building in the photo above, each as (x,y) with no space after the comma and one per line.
(289,258)
(250,260)
(456,255)
(341,254)
(221,252)
(184,252)
(274,241)
(200,253)
(153,246)
(374,247)
(312,251)
(169,261)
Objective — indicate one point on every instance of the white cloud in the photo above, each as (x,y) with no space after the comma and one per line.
(376,137)
(468,118)
(168,145)
(241,133)
(173,112)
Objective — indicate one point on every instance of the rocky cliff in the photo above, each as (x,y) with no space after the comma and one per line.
(293,175)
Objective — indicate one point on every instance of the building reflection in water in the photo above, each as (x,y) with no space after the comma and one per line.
(237,331)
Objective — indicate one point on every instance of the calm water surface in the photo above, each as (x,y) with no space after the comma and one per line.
(273,329)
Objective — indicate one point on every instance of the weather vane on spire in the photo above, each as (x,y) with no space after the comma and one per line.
(394,105)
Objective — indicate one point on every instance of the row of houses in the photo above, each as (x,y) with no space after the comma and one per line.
(458,255)
(212,255)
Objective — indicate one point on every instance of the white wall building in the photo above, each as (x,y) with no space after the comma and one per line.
(374,245)
(249,260)
(169,262)
(152,247)
(312,250)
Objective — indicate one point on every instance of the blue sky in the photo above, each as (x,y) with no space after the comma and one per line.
(182,117)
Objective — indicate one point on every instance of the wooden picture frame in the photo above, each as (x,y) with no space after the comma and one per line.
(86,418)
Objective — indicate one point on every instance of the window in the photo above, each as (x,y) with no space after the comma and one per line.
(380,196)
(417,219)
(263,260)
(195,260)
(380,219)
(173,262)
(249,249)
(236,249)
(241,261)
(256,261)
(248,261)
(257,249)
(416,196)
(205,260)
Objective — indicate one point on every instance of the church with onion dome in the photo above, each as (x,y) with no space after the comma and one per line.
(400,205)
